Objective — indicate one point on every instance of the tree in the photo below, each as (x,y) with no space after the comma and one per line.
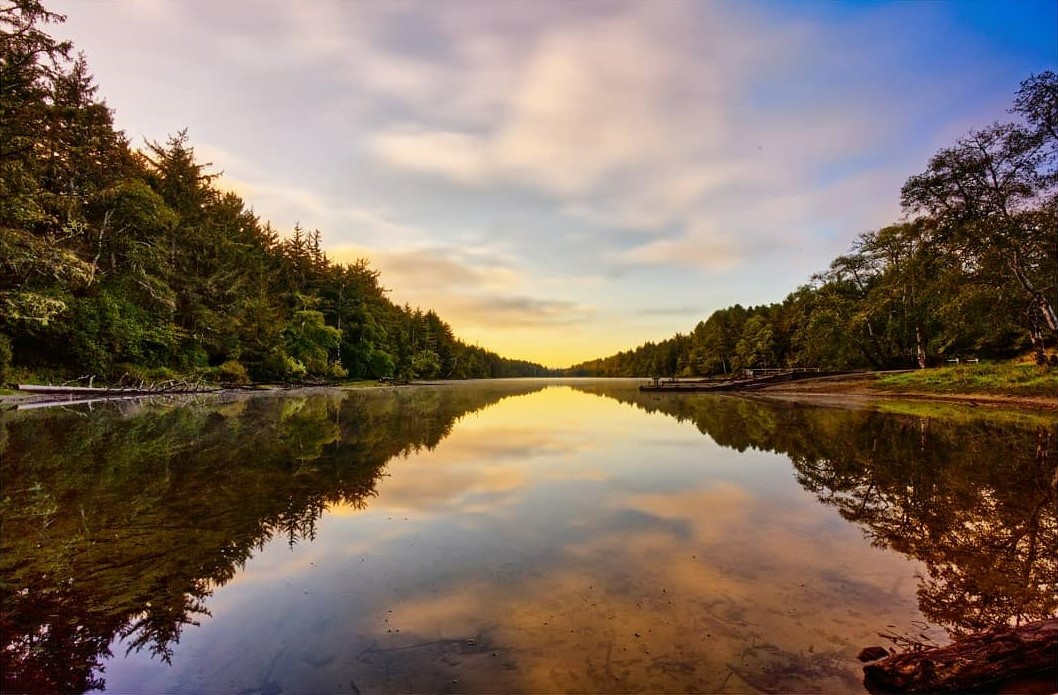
(755,347)
(984,194)
(1037,102)
(29,60)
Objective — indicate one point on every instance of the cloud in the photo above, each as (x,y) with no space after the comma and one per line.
(699,248)
(682,310)
(706,125)
(474,288)
(438,268)
(459,156)
(615,152)
(516,311)
(595,97)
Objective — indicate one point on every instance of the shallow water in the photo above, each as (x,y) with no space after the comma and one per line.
(509,536)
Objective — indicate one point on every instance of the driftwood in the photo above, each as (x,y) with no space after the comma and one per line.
(971,664)
(54,396)
(736,384)
(89,391)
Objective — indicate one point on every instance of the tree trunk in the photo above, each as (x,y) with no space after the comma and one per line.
(972,664)
(1039,300)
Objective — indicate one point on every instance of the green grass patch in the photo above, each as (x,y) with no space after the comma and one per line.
(995,379)
(963,413)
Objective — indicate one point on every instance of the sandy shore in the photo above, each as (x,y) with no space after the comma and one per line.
(860,389)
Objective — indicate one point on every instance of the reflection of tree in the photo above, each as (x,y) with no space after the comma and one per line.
(124,526)
(973,499)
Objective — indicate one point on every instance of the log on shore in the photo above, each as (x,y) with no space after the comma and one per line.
(971,664)
(99,392)
(74,390)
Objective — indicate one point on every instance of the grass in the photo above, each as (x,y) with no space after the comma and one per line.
(968,413)
(993,379)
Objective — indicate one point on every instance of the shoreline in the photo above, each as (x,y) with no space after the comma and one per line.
(859,390)
(845,391)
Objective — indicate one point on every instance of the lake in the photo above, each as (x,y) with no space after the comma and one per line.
(547,536)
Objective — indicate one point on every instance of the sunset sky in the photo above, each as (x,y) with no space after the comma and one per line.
(560,181)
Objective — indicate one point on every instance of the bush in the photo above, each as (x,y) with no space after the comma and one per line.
(6,354)
(293,370)
(138,374)
(192,356)
(233,373)
(337,371)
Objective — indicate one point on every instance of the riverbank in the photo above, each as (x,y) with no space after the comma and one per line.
(965,386)
(940,385)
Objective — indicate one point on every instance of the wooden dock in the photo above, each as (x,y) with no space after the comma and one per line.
(757,379)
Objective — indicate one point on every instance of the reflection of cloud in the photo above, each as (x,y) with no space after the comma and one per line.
(453,476)
(493,455)
(754,596)
(663,570)
(434,486)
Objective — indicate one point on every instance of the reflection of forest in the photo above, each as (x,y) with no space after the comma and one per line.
(972,498)
(125,525)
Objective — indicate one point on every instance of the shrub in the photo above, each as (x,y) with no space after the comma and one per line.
(6,354)
(233,372)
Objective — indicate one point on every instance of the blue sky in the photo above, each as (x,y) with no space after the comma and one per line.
(561,181)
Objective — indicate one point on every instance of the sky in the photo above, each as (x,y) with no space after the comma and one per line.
(564,180)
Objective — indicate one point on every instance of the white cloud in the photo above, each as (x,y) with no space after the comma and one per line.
(645,120)
(467,288)
(617,153)
(459,156)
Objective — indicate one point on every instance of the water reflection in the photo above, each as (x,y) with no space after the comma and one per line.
(971,496)
(125,525)
(453,539)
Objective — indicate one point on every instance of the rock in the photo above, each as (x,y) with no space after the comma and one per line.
(873,654)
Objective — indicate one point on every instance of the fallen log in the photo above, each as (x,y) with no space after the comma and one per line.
(75,390)
(971,664)
(88,391)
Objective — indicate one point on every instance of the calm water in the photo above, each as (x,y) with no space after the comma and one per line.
(514,536)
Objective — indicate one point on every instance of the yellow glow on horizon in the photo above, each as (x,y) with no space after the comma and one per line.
(552,347)
(555,343)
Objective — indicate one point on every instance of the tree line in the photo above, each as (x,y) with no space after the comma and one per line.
(972,271)
(115,261)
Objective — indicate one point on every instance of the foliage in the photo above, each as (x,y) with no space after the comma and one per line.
(233,372)
(972,273)
(116,262)
(5,359)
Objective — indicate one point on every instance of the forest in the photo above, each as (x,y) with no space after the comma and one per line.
(971,272)
(136,264)
(127,264)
